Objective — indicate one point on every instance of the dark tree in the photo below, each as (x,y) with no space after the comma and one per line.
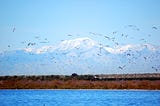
(74,75)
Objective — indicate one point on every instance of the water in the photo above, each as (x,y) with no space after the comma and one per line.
(79,98)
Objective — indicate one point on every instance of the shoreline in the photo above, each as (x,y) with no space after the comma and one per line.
(88,89)
(80,84)
(104,82)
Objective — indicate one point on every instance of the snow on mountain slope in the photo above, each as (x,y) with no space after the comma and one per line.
(87,43)
(83,56)
(79,43)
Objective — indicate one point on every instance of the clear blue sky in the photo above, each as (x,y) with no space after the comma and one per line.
(55,19)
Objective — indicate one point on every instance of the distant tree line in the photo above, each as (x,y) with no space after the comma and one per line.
(111,77)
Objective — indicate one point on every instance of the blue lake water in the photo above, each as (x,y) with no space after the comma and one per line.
(79,98)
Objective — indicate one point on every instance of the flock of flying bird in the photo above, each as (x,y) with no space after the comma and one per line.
(112,38)
(30,43)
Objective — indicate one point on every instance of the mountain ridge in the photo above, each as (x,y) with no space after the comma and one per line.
(82,55)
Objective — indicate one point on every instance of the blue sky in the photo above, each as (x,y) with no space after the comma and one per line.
(55,19)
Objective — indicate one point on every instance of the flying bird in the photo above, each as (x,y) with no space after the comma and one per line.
(145,58)
(138,29)
(114,32)
(126,36)
(31,44)
(13,29)
(154,68)
(107,37)
(100,49)
(130,25)
(37,37)
(98,54)
(154,28)
(43,42)
(116,43)
(121,67)
(134,27)
(69,35)
(128,54)
(106,45)
(113,38)
(23,42)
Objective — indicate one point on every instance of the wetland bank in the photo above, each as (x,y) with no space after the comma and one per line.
(75,81)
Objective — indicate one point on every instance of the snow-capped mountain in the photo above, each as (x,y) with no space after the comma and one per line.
(83,56)
(79,43)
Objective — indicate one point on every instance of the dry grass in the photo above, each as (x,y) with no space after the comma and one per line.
(78,84)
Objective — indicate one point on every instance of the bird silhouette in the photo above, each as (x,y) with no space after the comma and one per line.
(154,68)
(154,28)
(37,37)
(145,58)
(116,43)
(114,32)
(107,37)
(69,35)
(122,67)
(44,42)
(128,54)
(31,44)
(14,29)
